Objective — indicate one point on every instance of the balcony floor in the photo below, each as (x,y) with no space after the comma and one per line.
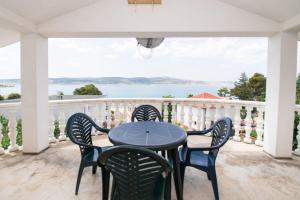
(244,172)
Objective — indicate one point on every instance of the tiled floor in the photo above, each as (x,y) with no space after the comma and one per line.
(244,172)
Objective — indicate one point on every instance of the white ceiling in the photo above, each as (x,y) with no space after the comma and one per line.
(277,10)
(38,11)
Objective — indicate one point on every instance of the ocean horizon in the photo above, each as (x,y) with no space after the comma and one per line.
(128,90)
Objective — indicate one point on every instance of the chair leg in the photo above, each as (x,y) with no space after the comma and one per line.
(182,173)
(81,167)
(105,183)
(214,182)
(113,190)
(167,194)
(208,177)
(163,154)
(94,170)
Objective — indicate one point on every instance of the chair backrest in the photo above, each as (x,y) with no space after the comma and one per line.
(79,129)
(221,132)
(138,173)
(146,113)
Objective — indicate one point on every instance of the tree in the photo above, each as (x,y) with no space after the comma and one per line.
(224,92)
(13,96)
(242,89)
(257,84)
(89,89)
(1,98)
(190,95)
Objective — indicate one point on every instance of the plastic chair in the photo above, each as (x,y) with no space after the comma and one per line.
(138,173)
(195,156)
(79,128)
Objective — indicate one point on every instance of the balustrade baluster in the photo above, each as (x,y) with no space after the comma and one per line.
(108,111)
(190,117)
(182,115)
(228,111)
(237,123)
(248,126)
(199,118)
(117,114)
(127,111)
(259,127)
(218,114)
(52,138)
(1,136)
(166,111)
(62,125)
(12,132)
(208,117)
(174,113)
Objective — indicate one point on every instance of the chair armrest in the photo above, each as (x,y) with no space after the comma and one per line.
(199,132)
(191,149)
(86,145)
(104,130)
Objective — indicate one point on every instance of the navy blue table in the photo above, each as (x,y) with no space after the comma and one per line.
(158,136)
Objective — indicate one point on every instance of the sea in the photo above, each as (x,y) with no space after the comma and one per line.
(129,90)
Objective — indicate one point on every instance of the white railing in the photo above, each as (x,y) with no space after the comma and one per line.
(191,114)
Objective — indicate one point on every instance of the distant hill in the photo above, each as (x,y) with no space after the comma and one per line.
(119,80)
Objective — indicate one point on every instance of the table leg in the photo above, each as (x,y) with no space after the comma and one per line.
(173,154)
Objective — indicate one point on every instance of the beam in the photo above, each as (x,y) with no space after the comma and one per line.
(292,24)
(10,20)
(170,19)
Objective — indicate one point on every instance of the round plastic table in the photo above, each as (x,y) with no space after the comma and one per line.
(158,136)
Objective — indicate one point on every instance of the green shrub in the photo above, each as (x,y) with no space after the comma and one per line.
(56,129)
(5,140)
(19,132)
(296,122)
(89,89)
(13,96)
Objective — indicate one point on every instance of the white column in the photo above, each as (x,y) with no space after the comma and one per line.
(281,90)
(34,89)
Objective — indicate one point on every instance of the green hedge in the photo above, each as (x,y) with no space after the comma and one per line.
(5,140)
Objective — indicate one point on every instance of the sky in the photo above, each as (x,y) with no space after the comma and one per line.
(206,59)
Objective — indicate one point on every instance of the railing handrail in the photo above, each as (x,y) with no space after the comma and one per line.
(53,103)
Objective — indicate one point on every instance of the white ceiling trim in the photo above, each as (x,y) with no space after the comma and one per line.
(292,24)
(11,20)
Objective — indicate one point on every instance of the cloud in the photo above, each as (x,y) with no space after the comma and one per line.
(238,50)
